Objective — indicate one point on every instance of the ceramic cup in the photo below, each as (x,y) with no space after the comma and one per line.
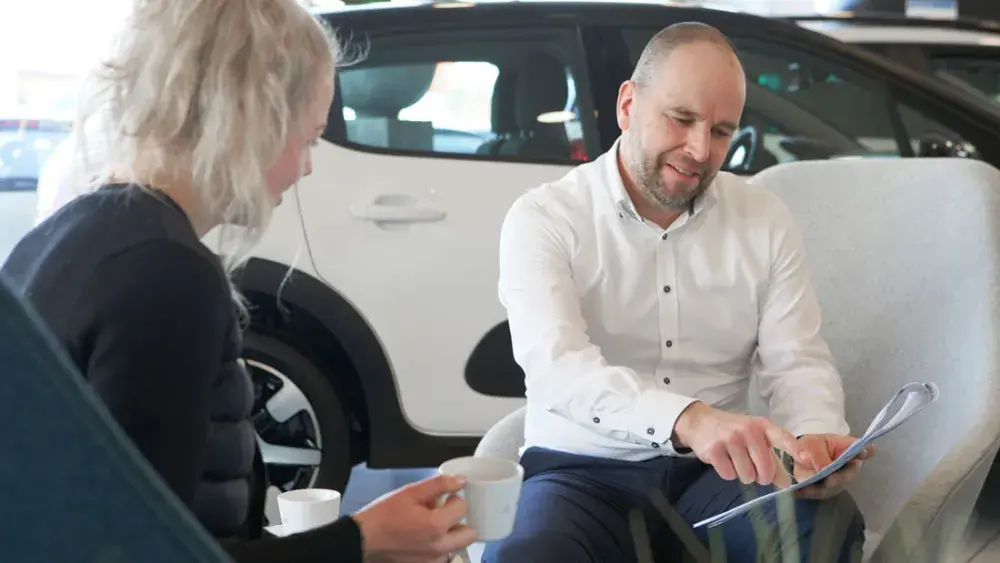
(305,509)
(492,488)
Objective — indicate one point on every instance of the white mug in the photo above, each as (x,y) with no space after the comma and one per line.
(305,509)
(492,488)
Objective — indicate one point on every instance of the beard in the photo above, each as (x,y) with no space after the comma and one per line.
(656,192)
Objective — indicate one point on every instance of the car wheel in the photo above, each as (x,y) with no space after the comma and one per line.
(302,428)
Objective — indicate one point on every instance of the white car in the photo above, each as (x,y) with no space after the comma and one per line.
(377,334)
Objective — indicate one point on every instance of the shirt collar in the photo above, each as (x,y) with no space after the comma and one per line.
(624,204)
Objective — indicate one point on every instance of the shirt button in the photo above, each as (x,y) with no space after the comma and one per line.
(669,343)
(650,431)
(666,289)
(666,380)
(656,446)
(597,420)
(664,237)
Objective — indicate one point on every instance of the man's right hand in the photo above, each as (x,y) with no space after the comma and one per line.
(407,526)
(736,445)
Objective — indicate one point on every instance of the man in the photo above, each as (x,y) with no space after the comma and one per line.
(643,290)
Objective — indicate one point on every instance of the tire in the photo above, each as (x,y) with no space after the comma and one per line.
(273,365)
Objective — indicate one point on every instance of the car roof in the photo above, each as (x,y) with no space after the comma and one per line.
(420,14)
(388,18)
(896,29)
(334,6)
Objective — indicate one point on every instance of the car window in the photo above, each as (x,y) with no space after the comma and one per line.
(488,94)
(25,144)
(804,107)
(983,74)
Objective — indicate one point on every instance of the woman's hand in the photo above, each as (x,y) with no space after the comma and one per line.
(408,526)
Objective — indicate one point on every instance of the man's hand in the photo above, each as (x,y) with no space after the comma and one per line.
(818,451)
(736,445)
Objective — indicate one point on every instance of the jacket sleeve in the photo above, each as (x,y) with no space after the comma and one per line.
(338,542)
(152,321)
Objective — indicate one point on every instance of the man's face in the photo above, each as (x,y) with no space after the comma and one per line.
(678,126)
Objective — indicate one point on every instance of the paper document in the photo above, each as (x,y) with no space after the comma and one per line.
(908,401)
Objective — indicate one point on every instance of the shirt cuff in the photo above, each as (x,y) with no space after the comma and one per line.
(656,412)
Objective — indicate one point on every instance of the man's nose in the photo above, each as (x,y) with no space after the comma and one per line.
(698,144)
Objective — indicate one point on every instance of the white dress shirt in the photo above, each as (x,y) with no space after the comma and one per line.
(619,325)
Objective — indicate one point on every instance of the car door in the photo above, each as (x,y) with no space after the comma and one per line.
(806,105)
(438,131)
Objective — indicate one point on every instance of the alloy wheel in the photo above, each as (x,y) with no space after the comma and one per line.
(288,433)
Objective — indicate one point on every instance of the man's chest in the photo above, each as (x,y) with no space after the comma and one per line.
(693,294)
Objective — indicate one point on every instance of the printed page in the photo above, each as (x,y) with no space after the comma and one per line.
(907,402)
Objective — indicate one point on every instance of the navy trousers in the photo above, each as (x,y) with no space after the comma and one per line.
(579,509)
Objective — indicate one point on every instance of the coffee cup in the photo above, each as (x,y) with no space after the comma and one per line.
(492,488)
(305,509)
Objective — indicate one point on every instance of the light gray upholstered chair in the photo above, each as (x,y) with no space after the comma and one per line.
(505,438)
(905,258)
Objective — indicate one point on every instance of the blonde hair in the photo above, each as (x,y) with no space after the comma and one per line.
(208,89)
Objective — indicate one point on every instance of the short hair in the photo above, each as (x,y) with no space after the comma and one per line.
(670,38)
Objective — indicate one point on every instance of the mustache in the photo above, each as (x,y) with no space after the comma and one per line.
(684,164)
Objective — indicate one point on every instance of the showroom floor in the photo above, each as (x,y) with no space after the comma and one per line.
(368,484)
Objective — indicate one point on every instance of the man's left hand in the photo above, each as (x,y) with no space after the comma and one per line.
(818,451)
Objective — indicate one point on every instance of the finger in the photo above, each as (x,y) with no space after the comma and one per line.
(844,475)
(761,455)
(781,438)
(867,453)
(718,457)
(814,453)
(451,513)
(737,448)
(458,537)
(430,489)
(782,479)
(833,484)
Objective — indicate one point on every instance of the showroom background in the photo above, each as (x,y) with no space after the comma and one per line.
(47,45)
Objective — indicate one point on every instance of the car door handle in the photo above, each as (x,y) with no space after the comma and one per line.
(397,209)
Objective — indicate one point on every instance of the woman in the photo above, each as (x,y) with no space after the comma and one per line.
(208,108)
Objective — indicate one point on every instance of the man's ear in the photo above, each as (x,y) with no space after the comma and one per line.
(625,105)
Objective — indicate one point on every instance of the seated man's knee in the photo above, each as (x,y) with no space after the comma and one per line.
(837,530)
(827,531)
(536,548)
(559,520)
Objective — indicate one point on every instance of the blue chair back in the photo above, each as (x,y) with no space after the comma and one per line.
(73,488)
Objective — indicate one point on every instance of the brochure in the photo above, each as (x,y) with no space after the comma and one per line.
(908,401)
